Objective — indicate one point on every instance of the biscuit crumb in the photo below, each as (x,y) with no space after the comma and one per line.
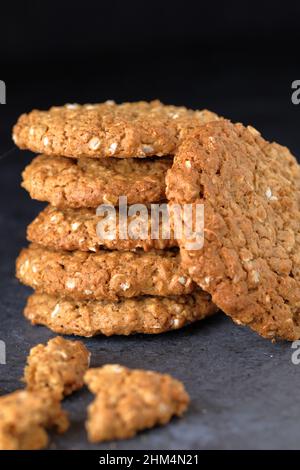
(57,367)
(128,401)
(24,418)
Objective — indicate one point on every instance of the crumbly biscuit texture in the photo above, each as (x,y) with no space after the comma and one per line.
(84,230)
(148,315)
(57,367)
(128,401)
(107,130)
(24,418)
(250,261)
(65,182)
(106,275)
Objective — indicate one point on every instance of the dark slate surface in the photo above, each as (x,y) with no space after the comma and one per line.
(244,389)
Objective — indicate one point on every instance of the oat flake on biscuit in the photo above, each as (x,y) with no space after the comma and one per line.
(26,416)
(130,400)
(250,190)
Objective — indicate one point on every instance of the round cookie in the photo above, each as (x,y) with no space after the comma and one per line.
(106,275)
(250,262)
(146,314)
(65,182)
(76,229)
(107,130)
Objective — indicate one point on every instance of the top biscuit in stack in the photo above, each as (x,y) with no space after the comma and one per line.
(104,130)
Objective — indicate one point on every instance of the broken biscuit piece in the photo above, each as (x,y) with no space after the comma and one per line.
(128,401)
(57,367)
(24,418)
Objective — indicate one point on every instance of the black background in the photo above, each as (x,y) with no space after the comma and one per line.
(236,58)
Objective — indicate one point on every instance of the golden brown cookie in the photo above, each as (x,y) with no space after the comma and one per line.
(57,367)
(24,418)
(107,275)
(148,315)
(128,401)
(65,182)
(107,129)
(250,190)
(76,229)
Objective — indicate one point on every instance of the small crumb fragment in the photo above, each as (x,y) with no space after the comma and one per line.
(57,367)
(128,401)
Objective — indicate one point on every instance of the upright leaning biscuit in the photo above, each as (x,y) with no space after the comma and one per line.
(145,314)
(250,190)
(102,276)
(107,130)
(65,182)
(57,367)
(76,229)
(128,401)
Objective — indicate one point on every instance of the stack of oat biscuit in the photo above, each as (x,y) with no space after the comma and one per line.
(87,284)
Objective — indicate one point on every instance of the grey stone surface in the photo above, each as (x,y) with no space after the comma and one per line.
(244,389)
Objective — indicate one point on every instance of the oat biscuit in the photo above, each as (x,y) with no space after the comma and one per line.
(107,129)
(65,182)
(148,315)
(105,275)
(24,418)
(57,367)
(76,229)
(128,401)
(250,191)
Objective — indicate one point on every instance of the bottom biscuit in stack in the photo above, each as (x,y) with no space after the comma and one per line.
(148,314)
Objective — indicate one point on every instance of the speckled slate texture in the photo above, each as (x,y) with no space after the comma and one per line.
(244,389)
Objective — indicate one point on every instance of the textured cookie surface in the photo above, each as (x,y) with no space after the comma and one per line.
(250,190)
(107,130)
(76,229)
(106,275)
(57,367)
(128,401)
(65,182)
(24,418)
(150,315)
